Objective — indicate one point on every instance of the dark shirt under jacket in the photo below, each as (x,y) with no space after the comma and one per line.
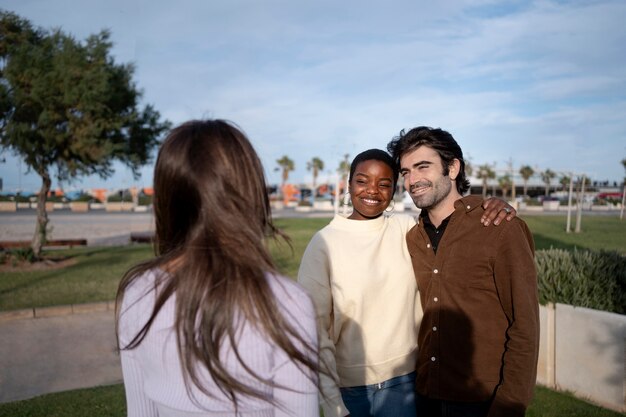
(479,336)
(434,233)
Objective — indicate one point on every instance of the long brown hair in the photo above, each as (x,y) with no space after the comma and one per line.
(212,215)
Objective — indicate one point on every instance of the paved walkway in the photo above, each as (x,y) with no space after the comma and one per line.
(65,348)
(98,227)
(58,353)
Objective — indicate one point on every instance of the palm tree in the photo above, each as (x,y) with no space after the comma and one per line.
(624,163)
(469,167)
(564,181)
(547,176)
(344,169)
(286,165)
(526,172)
(315,165)
(485,173)
(505,184)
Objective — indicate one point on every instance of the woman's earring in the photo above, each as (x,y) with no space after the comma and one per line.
(392,205)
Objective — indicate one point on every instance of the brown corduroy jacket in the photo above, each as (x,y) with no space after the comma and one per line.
(479,337)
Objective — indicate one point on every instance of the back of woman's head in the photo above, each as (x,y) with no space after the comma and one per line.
(212,214)
(209,189)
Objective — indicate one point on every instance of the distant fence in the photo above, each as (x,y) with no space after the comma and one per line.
(584,351)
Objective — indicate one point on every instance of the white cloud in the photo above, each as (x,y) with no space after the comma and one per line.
(528,80)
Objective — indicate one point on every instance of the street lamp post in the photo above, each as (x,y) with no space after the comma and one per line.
(569,203)
(579,205)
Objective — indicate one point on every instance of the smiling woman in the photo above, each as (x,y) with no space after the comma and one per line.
(372,185)
(355,268)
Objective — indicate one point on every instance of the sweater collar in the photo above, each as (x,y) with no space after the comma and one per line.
(358,225)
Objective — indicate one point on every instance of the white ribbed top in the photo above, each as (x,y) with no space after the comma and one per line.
(153,376)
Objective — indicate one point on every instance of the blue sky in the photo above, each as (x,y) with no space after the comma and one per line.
(541,83)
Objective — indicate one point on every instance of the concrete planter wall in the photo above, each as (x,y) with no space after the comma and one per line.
(584,351)
(608,207)
(119,206)
(323,205)
(551,205)
(277,205)
(8,206)
(79,206)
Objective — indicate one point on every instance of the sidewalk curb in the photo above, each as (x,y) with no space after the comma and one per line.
(56,311)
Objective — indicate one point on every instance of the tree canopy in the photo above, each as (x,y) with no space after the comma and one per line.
(286,165)
(526,172)
(68,109)
(505,184)
(546,177)
(315,165)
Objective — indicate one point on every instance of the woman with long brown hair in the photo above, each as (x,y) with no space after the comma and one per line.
(208,327)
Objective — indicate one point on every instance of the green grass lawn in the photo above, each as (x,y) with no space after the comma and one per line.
(93,277)
(96,272)
(110,402)
(597,232)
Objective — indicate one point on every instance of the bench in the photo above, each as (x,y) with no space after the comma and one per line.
(142,237)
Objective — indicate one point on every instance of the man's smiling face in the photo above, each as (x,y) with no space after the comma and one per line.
(425,177)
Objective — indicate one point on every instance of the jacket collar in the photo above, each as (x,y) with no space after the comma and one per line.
(468,203)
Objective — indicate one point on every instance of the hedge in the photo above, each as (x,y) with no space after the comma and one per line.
(583,278)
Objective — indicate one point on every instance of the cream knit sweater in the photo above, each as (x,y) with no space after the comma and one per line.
(360,277)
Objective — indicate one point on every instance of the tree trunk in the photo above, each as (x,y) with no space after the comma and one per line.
(42,216)
(484,189)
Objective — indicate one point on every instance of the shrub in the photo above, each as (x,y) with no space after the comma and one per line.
(120,197)
(584,278)
(83,198)
(56,199)
(16,256)
(144,200)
